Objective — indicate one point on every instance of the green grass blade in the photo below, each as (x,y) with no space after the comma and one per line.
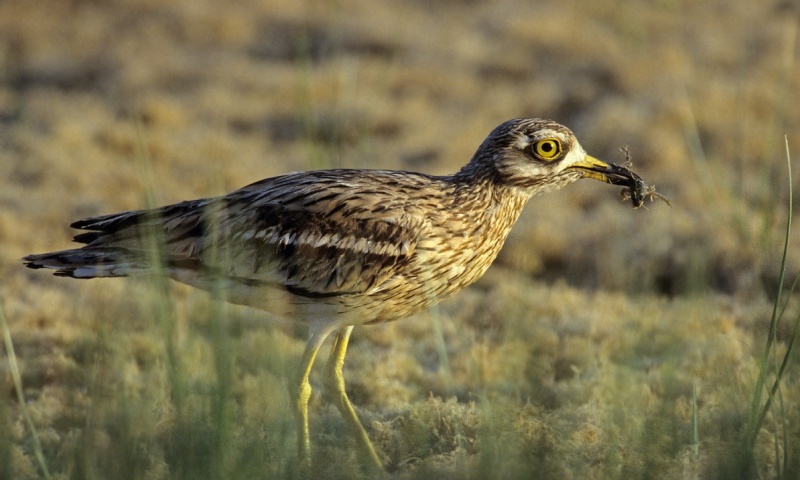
(758,412)
(17,379)
(695,434)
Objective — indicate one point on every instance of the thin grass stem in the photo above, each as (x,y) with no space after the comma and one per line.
(695,434)
(758,412)
(23,405)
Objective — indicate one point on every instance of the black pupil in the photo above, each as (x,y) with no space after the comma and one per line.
(547,147)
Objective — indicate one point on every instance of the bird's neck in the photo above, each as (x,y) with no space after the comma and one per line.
(481,187)
(492,205)
(475,218)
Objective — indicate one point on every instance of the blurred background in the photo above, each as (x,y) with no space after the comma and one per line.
(582,344)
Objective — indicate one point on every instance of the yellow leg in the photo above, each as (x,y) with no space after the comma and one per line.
(334,381)
(303,395)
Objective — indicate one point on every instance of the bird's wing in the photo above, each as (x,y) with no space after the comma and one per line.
(316,235)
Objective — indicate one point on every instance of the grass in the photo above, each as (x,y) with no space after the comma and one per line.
(17,381)
(770,364)
(200,410)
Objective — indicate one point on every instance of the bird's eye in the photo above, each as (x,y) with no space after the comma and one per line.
(547,149)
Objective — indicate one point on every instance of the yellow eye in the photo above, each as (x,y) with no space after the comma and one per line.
(547,149)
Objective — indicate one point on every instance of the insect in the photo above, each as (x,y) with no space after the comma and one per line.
(637,190)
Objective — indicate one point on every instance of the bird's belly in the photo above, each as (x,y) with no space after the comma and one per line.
(416,289)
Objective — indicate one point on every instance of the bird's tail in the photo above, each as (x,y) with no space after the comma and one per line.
(89,262)
(114,247)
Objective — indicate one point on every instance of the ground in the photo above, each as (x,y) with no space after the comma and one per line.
(595,345)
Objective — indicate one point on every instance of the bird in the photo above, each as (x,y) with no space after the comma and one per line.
(335,249)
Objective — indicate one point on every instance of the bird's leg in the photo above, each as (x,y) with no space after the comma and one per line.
(334,382)
(302,395)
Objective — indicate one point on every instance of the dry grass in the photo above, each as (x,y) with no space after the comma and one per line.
(574,357)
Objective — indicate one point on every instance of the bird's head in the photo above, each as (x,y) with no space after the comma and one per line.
(537,155)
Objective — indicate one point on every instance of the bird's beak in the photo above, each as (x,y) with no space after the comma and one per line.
(605,172)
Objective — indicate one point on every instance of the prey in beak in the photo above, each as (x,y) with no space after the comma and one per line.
(636,189)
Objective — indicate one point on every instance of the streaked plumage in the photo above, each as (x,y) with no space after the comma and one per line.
(345,247)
